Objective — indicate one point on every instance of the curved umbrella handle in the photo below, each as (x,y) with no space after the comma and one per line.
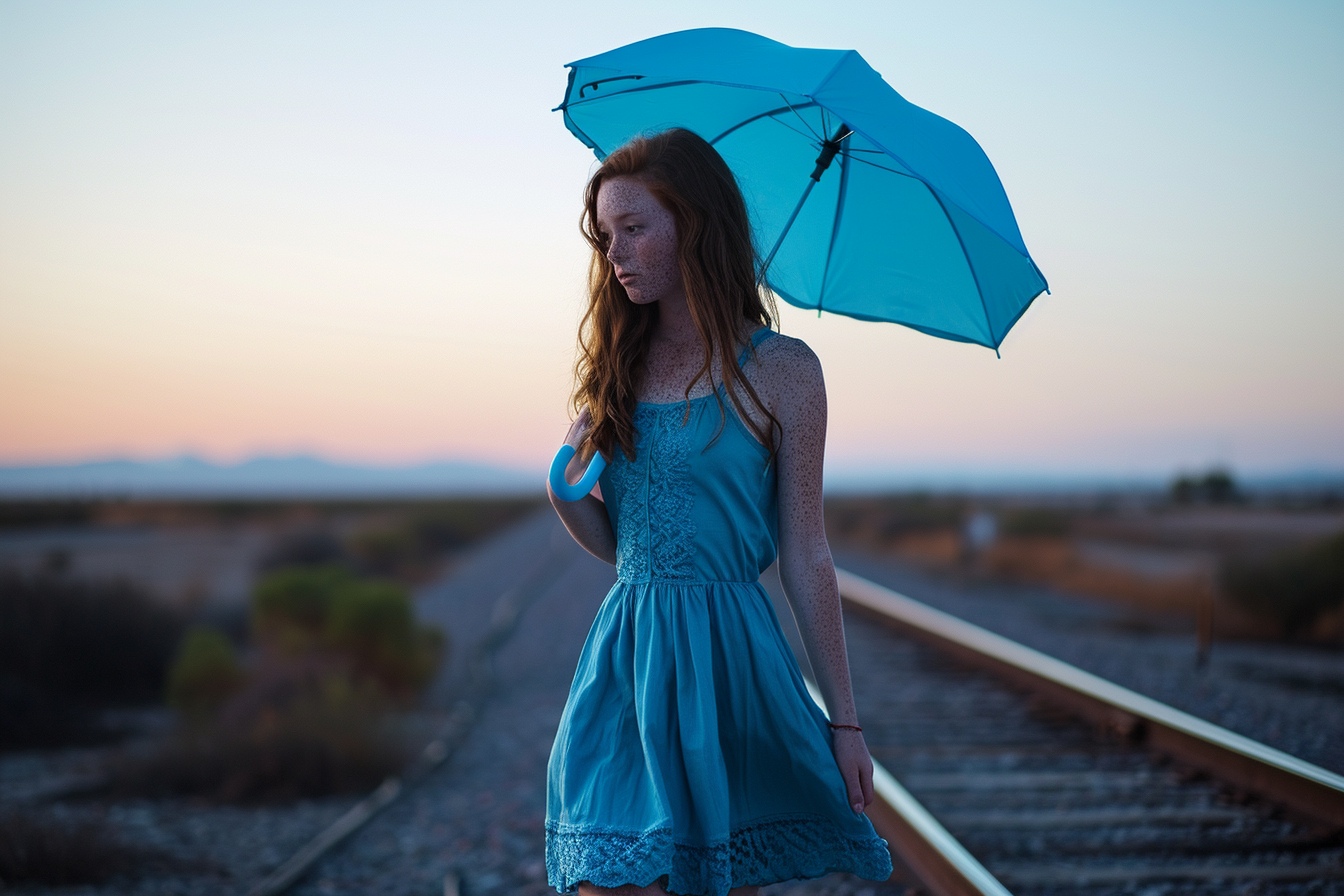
(563,490)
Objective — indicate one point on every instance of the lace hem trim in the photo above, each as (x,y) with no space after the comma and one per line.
(763,853)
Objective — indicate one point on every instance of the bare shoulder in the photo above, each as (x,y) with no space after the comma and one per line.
(787,376)
(786,365)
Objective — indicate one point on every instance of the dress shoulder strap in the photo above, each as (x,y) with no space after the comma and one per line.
(757,338)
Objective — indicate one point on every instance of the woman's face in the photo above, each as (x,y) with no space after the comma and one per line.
(643,240)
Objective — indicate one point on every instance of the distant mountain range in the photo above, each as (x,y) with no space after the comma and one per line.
(262,477)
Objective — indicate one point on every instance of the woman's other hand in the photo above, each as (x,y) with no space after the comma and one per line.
(856,766)
(578,430)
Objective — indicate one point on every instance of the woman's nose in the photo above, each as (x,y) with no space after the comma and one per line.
(615,249)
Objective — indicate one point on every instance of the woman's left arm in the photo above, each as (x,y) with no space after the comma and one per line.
(797,394)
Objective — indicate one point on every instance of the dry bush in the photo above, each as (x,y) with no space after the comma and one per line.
(1035,522)
(1293,588)
(70,647)
(368,623)
(314,712)
(205,673)
(299,729)
(884,521)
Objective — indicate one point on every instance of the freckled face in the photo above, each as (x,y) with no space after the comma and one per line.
(643,240)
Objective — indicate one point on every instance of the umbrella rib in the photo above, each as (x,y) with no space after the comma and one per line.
(784,124)
(979,290)
(818,137)
(881,167)
(755,118)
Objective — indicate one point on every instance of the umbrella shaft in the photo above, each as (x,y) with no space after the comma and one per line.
(828,153)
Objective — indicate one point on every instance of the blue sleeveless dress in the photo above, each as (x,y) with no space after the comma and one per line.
(689,750)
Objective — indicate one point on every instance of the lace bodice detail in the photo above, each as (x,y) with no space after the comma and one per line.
(657,543)
(696,502)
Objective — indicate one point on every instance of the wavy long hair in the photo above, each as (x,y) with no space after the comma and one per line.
(718,270)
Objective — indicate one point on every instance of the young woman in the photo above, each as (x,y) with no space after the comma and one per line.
(690,758)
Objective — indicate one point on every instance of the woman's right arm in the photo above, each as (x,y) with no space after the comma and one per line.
(586,519)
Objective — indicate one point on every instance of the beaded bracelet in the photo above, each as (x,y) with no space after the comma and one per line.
(850,727)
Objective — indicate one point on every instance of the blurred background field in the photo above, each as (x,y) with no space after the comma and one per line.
(1260,565)
(259,653)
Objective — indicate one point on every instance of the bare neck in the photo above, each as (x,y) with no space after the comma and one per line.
(674,321)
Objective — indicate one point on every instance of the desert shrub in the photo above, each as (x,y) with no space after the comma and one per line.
(1034,522)
(292,605)
(69,648)
(368,623)
(372,624)
(887,518)
(313,711)
(34,719)
(1294,587)
(298,730)
(205,672)
(89,640)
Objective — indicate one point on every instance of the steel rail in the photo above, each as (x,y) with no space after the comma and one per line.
(916,838)
(1303,788)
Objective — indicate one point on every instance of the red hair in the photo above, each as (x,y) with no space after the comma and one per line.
(718,270)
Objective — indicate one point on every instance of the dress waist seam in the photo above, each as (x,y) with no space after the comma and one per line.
(620,580)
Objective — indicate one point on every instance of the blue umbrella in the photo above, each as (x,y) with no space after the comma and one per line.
(913,227)
(871,206)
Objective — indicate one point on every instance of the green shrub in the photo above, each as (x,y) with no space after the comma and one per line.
(368,623)
(1294,588)
(291,606)
(205,673)
(372,624)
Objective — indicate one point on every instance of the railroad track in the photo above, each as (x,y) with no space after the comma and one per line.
(997,780)
(1020,774)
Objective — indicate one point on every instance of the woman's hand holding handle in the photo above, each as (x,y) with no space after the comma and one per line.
(560,484)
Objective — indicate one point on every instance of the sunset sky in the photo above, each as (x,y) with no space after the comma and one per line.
(349,230)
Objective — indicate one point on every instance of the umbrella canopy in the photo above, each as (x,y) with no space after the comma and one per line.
(864,204)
